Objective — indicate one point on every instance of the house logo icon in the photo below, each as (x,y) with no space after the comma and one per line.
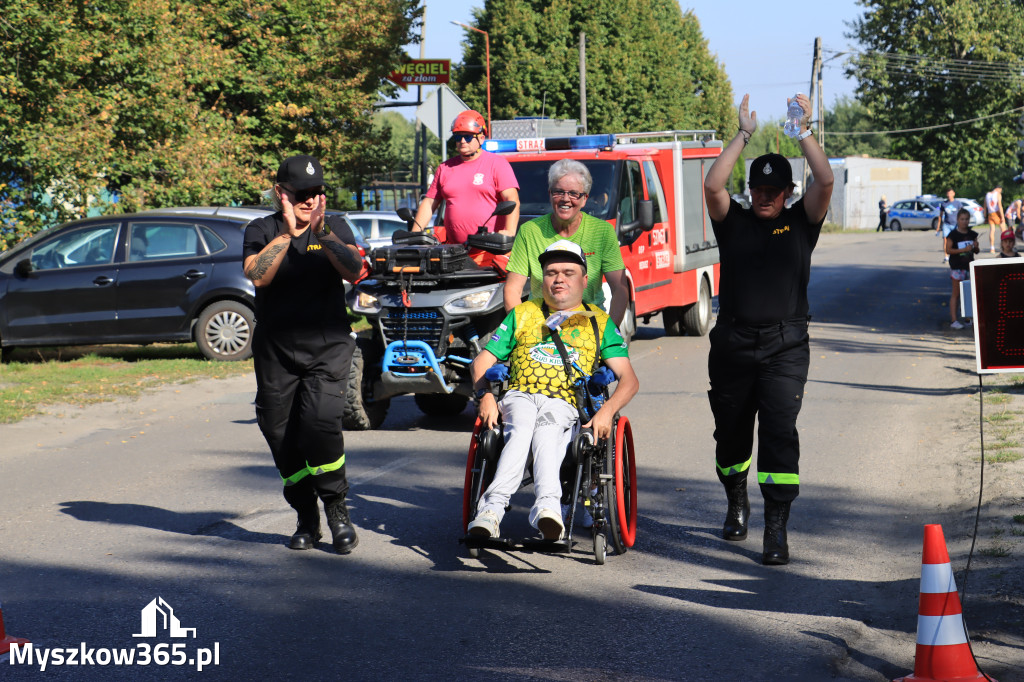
(159,613)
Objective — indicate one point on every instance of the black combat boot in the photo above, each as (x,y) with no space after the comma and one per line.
(735,527)
(345,538)
(307,530)
(776,549)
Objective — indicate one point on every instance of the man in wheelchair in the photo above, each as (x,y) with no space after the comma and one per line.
(540,408)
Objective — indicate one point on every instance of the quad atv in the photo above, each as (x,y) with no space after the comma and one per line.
(431,308)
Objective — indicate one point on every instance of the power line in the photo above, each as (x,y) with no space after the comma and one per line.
(941,125)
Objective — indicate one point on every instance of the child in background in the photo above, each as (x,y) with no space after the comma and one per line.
(961,245)
(1007,243)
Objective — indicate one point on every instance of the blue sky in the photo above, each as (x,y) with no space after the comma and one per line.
(765,46)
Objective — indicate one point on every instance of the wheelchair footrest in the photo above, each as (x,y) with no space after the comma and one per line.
(562,546)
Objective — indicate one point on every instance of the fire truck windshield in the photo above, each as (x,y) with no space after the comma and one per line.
(533,188)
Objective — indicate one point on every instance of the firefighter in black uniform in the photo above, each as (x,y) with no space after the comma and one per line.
(302,346)
(759,346)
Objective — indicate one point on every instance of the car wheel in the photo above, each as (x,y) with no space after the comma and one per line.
(224,331)
(935,223)
(895,226)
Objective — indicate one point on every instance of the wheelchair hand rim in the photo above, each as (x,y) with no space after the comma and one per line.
(624,450)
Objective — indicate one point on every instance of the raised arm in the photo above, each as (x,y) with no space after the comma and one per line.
(715,192)
(819,193)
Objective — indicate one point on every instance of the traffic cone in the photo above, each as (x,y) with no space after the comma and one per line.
(943,654)
(7,640)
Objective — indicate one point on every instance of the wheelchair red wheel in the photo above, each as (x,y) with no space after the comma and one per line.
(625,481)
(467,489)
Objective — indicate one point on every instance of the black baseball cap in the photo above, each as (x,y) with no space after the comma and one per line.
(772,170)
(300,172)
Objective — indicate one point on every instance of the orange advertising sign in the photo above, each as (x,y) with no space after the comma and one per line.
(422,72)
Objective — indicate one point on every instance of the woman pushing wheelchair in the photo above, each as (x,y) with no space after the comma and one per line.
(538,413)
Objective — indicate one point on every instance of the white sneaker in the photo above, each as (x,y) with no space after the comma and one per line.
(957,325)
(550,524)
(968,323)
(485,524)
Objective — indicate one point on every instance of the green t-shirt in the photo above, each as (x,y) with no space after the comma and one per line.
(535,365)
(595,236)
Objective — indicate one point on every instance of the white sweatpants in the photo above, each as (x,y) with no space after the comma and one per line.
(537,422)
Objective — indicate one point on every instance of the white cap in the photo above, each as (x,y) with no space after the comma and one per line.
(564,250)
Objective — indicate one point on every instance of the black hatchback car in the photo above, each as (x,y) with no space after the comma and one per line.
(136,278)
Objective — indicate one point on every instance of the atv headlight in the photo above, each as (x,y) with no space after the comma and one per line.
(366,304)
(469,303)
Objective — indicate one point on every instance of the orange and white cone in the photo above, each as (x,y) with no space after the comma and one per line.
(7,640)
(943,654)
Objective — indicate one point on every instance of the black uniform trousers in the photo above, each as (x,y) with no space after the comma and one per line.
(300,398)
(759,370)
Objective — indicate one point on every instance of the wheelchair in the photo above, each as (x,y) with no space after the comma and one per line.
(600,474)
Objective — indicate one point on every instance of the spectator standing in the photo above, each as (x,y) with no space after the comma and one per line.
(947,218)
(883,212)
(1007,243)
(961,245)
(994,215)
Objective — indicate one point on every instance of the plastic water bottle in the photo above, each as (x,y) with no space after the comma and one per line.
(793,116)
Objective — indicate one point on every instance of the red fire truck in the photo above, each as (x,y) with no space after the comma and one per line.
(650,187)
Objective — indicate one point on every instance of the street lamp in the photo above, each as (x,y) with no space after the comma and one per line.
(487,49)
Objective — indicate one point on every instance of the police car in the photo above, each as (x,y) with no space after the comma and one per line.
(921,213)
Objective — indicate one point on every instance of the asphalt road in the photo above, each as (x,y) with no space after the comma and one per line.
(174,496)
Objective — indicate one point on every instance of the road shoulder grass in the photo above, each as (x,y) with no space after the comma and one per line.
(36,380)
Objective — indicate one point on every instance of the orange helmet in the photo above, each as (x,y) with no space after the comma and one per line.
(469,122)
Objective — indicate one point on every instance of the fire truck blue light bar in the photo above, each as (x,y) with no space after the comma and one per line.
(550,144)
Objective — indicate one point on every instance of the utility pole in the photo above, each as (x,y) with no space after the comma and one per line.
(821,95)
(583,82)
(420,156)
(815,88)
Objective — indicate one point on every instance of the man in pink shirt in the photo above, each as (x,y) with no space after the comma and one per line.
(471,185)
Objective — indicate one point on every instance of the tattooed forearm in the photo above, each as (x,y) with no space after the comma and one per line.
(346,257)
(262,264)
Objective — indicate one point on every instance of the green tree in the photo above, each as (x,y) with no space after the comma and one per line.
(129,104)
(944,63)
(846,116)
(648,65)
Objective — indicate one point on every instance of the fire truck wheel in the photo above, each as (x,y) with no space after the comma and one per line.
(362,413)
(697,319)
(673,319)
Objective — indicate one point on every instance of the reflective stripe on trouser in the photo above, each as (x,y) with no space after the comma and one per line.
(537,422)
(300,399)
(310,470)
(759,371)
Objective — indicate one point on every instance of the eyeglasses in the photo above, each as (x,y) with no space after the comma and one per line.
(463,137)
(575,196)
(301,195)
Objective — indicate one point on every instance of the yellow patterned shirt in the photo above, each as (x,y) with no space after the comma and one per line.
(535,365)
